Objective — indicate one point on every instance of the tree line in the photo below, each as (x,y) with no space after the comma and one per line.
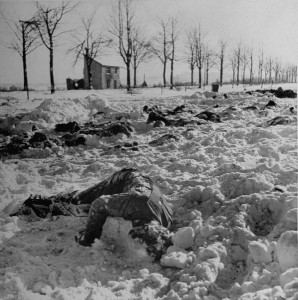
(127,37)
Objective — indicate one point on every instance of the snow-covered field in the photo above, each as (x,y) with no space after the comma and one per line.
(233,187)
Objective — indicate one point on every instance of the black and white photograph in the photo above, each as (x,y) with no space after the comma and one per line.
(148,150)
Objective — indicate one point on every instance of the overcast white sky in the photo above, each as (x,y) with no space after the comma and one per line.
(271,24)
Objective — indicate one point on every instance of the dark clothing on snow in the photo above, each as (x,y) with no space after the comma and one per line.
(127,194)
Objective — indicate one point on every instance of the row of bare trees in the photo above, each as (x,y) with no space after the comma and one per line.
(248,65)
(129,39)
(164,46)
(262,68)
(200,55)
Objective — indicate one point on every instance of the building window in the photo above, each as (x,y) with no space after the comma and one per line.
(116,70)
(108,70)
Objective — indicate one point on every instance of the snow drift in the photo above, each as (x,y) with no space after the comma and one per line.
(233,187)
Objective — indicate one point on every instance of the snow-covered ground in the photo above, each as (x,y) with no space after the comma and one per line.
(233,187)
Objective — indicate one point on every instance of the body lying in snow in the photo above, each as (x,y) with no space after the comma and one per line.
(279,120)
(127,194)
(154,117)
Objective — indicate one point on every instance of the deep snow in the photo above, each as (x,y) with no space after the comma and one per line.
(235,233)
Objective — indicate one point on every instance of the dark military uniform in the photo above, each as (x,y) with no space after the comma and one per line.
(127,194)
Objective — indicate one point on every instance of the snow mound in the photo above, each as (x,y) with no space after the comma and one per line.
(232,186)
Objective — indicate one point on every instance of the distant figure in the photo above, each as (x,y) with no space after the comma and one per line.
(127,194)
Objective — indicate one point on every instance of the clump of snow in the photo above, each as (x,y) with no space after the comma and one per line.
(176,257)
(286,250)
(8,227)
(261,251)
(290,218)
(288,276)
(184,238)
(115,234)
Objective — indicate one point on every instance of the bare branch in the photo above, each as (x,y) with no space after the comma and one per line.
(24,41)
(48,23)
(87,44)
(121,27)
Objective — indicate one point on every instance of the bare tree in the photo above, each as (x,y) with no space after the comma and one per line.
(48,22)
(221,56)
(294,73)
(282,73)
(233,61)
(191,52)
(121,27)
(209,62)
(288,72)
(162,47)
(276,68)
(24,41)
(270,68)
(267,69)
(199,53)
(141,51)
(88,44)
(173,40)
(238,53)
(244,62)
(261,65)
(251,64)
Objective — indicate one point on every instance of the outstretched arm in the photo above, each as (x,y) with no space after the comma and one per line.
(42,206)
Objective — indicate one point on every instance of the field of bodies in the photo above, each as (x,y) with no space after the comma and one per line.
(232,185)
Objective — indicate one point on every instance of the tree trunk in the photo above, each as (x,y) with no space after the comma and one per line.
(128,74)
(172,74)
(250,78)
(261,74)
(88,61)
(89,73)
(207,77)
(52,70)
(24,59)
(243,76)
(238,69)
(251,72)
(164,74)
(221,72)
(270,75)
(135,75)
(200,77)
(191,76)
(25,72)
